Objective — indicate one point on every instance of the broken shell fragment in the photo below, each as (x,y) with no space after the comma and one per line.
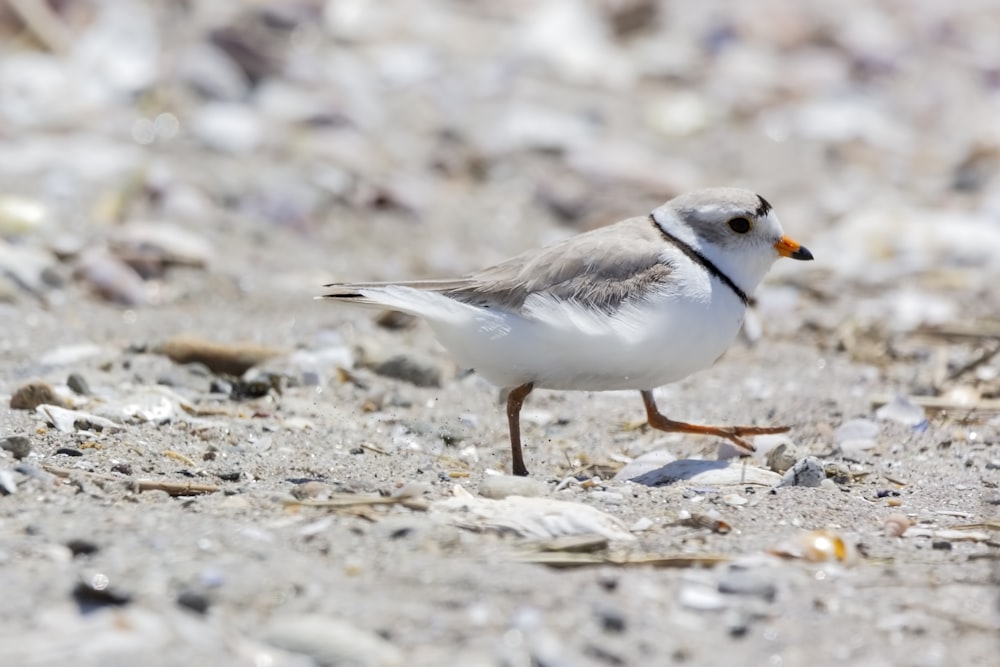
(817,546)
(896,524)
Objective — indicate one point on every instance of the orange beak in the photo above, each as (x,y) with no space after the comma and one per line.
(786,247)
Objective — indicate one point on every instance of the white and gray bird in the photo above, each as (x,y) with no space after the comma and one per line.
(634,305)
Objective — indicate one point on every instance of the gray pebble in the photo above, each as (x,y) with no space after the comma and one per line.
(806,472)
(78,384)
(330,641)
(194,601)
(29,396)
(409,369)
(18,445)
(82,547)
(7,483)
(782,457)
(748,582)
(501,486)
(311,490)
(612,619)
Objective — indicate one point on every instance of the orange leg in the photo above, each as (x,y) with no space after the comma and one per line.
(515,399)
(734,434)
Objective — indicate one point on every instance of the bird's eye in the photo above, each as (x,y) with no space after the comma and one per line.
(740,225)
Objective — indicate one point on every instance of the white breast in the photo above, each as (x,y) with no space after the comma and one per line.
(560,345)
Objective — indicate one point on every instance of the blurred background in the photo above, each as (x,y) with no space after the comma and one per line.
(178,179)
(206,155)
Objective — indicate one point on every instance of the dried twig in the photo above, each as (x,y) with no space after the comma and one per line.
(139,485)
(940,403)
(576,559)
(43,22)
(352,500)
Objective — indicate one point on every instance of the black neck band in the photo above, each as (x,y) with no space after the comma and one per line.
(709,265)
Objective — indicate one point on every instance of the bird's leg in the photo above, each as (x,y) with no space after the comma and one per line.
(515,399)
(734,434)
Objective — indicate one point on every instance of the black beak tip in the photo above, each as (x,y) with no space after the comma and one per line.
(802,253)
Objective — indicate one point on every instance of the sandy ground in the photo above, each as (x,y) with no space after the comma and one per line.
(319,523)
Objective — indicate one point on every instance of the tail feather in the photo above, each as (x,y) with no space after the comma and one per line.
(422,298)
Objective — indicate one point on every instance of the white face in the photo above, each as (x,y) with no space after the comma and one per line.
(736,229)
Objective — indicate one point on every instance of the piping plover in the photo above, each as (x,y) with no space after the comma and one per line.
(634,305)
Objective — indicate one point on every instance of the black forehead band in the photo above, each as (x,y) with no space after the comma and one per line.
(763,209)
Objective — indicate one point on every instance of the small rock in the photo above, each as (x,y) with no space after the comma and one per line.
(607,497)
(612,619)
(782,457)
(735,499)
(903,411)
(97,592)
(413,489)
(18,445)
(231,359)
(111,278)
(501,486)
(29,396)
(642,524)
(941,545)
(312,490)
(194,601)
(7,483)
(20,215)
(409,369)
(78,384)
(701,598)
(806,472)
(68,451)
(228,128)
(896,525)
(748,582)
(329,641)
(856,435)
(82,547)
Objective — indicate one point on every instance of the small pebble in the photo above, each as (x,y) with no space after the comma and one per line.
(782,457)
(409,369)
(82,547)
(501,486)
(194,601)
(67,451)
(18,445)
(29,396)
(612,619)
(896,525)
(311,490)
(231,359)
(734,499)
(857,435)
(97,592)
(78,384)
(903,411)
(755,583)
(701,598)
(642,524)
(941,545)
(7,483)
(806,472)
(329,641)
(607,497)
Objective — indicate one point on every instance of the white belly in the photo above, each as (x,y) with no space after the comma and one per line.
(561,346)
